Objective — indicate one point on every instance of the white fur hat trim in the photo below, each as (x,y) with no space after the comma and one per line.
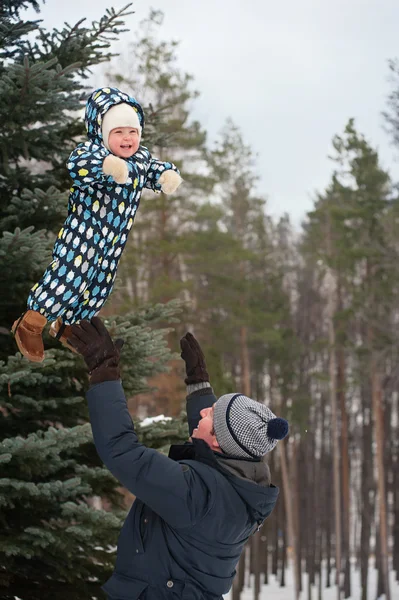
(120,115)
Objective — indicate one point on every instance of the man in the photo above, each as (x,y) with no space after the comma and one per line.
(194,510)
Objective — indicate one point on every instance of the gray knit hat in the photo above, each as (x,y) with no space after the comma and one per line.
(246,428)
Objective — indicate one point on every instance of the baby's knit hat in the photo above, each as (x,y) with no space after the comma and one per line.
(120,115)
(245,428)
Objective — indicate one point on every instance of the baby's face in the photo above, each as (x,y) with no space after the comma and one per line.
(124,141)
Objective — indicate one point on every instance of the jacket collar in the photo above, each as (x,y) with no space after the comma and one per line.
(200,450)
(194,450)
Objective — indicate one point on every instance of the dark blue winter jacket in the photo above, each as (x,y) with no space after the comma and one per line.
(194,509)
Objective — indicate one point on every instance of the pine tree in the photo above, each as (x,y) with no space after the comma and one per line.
(53,543)
(348,236)
(241,282)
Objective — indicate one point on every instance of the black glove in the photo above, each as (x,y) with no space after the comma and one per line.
(194,358)
(101,355)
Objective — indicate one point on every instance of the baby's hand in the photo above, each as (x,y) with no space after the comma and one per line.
(169,181)
(116,167)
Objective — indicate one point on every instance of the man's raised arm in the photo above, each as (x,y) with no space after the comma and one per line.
(199,391)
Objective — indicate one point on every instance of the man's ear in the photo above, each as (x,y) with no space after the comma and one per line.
(215,444)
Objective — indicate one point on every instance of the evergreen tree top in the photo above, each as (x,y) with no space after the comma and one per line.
(38,84)
(12,8)
(53,543)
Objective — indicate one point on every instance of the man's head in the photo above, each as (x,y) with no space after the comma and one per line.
(205,430)
(121,130)
(240,427)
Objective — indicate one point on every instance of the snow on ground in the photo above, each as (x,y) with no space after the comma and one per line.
(273,591)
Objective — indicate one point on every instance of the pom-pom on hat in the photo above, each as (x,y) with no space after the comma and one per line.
(119,115)
(245,428)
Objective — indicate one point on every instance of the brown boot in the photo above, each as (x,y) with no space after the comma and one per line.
(27,331)
(61,332)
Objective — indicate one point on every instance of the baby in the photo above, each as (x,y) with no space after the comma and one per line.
(108,173)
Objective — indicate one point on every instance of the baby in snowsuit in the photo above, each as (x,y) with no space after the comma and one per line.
(109,173)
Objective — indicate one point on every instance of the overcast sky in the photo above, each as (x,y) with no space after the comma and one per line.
(289,73)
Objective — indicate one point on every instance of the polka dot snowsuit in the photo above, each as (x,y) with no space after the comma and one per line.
(101,212)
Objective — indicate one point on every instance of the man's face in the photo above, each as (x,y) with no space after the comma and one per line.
(124,141)
(205,430)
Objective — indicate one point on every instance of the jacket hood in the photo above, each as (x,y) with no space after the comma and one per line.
(97,105)
(251,481)
(249,478)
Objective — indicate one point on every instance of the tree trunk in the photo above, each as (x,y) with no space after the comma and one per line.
(283,558)
(366,488)
(255,547)
(238,584)
(265,557)
(296,511)
(320,586)
(328,527)
(311,511)
(332,305)
(376,394)
(288,503)
(275,545)
(378,565)
(245,367)
(395,533)
(320,495)
(345,472)
(239,580)
(327,514)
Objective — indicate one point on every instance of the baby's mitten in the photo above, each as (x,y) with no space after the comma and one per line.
(169,181)
(116,167)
